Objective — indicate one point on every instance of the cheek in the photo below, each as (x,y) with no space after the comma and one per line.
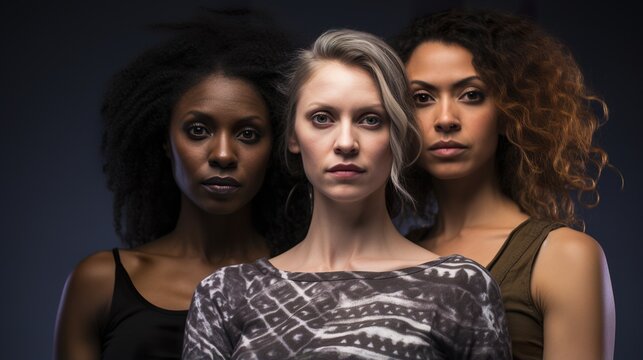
(256,161)
(384,149)
(311,156)
(424,123)
(316,154)
(382,153)
(186,162)
(313,147)
(486,129)
(185,158)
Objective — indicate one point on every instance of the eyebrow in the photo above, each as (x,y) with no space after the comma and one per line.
(457,84)
(205,117)
(370,107)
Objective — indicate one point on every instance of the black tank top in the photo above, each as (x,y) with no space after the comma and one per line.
(137,329)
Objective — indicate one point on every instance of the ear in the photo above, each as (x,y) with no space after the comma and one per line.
(293,144)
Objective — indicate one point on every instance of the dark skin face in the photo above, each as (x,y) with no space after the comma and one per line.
(219,143)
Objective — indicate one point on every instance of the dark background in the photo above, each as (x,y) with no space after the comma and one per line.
(57,58)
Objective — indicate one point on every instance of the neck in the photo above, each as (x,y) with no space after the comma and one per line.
(341,232)
(217,238)
(472,201)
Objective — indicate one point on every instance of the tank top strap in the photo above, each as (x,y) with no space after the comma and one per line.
(120,269)
(123,283)
(117,257)
(523,243)
(116,304)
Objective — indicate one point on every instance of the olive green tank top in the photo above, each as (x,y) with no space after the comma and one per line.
(511,268)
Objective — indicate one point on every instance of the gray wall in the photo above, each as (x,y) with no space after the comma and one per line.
(56,60)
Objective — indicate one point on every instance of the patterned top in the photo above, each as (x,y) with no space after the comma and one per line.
(448,308)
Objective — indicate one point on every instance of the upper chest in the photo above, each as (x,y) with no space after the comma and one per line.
(167,283)
(482,246)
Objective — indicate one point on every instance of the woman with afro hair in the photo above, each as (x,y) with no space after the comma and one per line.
(507,125)
(188,149)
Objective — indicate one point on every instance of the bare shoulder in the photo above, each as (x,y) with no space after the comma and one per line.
(93,277)
(96,267)
(570,264)
(85,300)
(571,247)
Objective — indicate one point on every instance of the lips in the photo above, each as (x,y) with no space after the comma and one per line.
(346,167)
(221,185)
(223,181)
(346,171)
(447,148)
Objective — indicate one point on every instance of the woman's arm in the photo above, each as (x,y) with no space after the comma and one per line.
(205,336)
(85,300)
(571,284)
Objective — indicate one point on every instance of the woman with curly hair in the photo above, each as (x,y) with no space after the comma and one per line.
(507,126)
(188,146)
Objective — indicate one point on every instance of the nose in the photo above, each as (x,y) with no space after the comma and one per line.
(447,119)
(346,143)
(222,153)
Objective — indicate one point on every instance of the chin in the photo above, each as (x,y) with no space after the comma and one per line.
(222,207)
(208,204)
(345,198)
(348,193)
(448,172)
(447,177)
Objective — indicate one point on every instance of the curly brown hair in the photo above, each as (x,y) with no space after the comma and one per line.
(547,115)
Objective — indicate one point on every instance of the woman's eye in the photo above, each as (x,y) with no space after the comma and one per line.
(371,121)
(248,135)
(473,96)
(422,98)
(198,131)
(320,118)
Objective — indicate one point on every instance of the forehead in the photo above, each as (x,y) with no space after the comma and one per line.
(436,61)
(335,81)
(224,93)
